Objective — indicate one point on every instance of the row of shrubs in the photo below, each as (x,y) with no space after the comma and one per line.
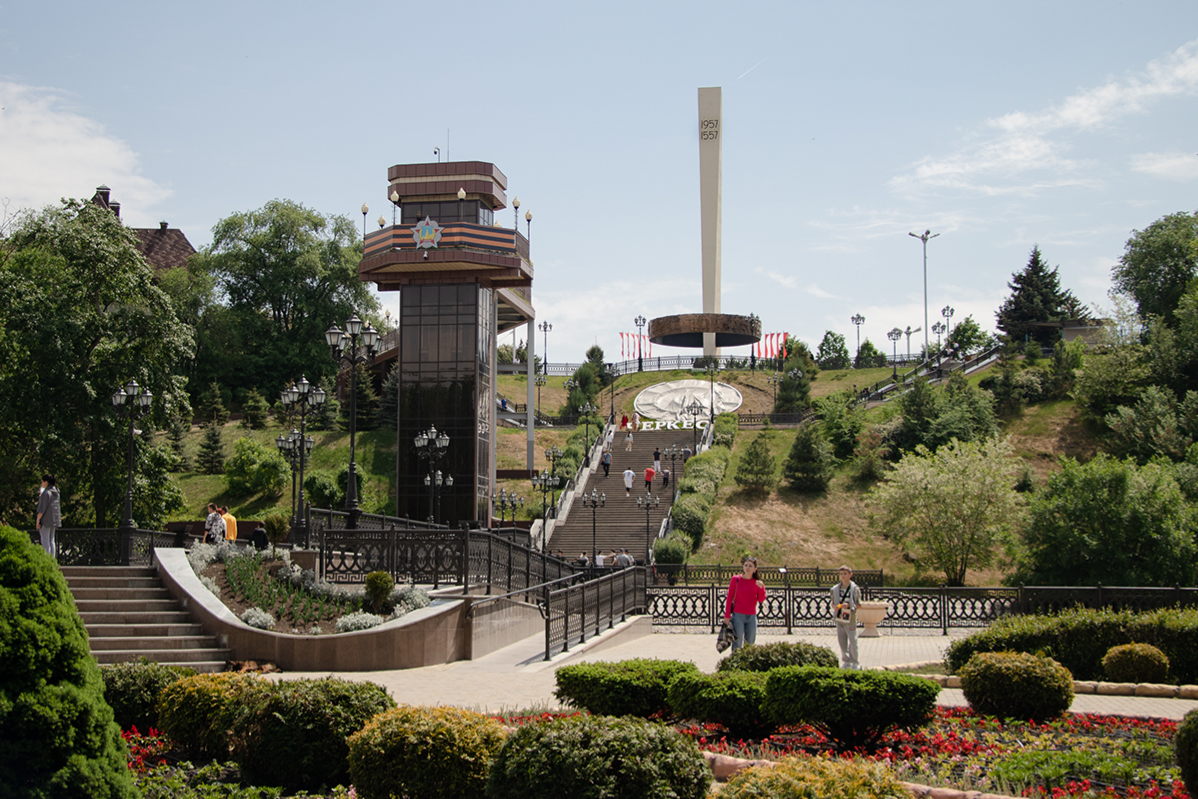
(702,477)
(1080,639)
(754,691)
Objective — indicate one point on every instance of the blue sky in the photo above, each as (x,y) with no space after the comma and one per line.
(846,125)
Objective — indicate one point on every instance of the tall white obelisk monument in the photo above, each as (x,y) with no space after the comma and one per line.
(711,189)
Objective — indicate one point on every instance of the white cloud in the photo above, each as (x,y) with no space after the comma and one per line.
(1021,142)
(51,152)
(1171,166)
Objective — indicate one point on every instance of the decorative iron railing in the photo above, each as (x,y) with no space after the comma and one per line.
(720,574)
(791,606)
(110,546)
(584,609)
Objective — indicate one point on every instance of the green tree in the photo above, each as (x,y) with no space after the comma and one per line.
(254,469)
(210,459)
(367,401)
(82,316)
(595,358)
(211,406)
(1036,296)
(254,411)
(1158,264)
(287,274)
(755,472)
(955,508)
(870,356)
(325,415)
(1112,522)
(833,353)
(60,738)
(177,431)
(932,419)
(809,465)
(967,337)
(389,399)
(1155,426)
(1112,376)
(794,393)
(842,422)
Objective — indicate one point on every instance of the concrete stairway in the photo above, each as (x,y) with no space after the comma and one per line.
(620,524)
(130,615)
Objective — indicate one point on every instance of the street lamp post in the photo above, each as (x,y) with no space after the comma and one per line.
(672,453)
(858,320)
(925,238)
(611,372)
(545,327)
(586,410)
(648,503)
(693,410)
(640,361)
(300,396)
(505,501)
(754,328)
(347,352)
(947,312)
(712,370)
(540,380)
(938,328)
(133,402)
(594,501)
(553,455)
(365,211)
(544,482)
(295,448)
(431,446)
(894,336)
(774,380)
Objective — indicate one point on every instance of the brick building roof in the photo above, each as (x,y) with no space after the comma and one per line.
(162,247)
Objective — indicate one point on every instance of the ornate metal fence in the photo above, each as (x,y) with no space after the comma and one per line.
(110,546)
(579,610)
(790,606)
(700,574)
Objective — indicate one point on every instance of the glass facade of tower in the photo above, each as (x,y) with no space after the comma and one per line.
(446,375)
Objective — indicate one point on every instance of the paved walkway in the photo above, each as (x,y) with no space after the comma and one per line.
(517,678)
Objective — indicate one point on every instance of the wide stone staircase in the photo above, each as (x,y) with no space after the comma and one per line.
(620,524)
(129,615)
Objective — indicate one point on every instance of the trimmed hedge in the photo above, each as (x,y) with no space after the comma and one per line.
(703,473)
(594,757)
(628,688)
(765,657)
(690,514)
(1185,750)
(1017,685)
(730,698)
(727,425)
(804,777)
(1078,639)
(133,689)
(851,708)
(430,752)
(1135,663)
(294,734)
(59,736)
(198,712)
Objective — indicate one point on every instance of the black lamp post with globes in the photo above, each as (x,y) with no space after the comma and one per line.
(352,348)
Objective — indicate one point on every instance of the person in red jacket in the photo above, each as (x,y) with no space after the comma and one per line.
(745,593)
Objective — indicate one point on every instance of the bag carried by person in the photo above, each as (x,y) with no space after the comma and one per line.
(725,637)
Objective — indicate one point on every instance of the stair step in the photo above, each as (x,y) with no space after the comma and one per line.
(173,643)
(181,657)
(108,571)
(142,630)
(91,594)
(76,583)
(135,617)
(126,605)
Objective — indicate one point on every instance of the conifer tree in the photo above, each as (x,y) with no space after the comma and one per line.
(211,406)
(179,427)
(1036,296)
(211,457)
(755,472)
(367,403)
(794,393)
(254,411)
(808,468)
(389,400)
(324,416)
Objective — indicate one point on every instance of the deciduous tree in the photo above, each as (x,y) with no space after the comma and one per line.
(832,353)
(955,508)
(1158,264)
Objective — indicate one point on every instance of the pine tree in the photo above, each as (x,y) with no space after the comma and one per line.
(211,457)
(794,394)
(179,427)
(1036,296)
(389,400)
(755,472)
(254,411)
(809,466)
(211,406)
(367,411)
(324,416)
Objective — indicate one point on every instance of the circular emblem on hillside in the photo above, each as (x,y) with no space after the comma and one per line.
(665,402)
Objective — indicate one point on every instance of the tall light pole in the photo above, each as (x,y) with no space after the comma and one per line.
(640,361)
(132,402)
(544,482)
(858,320)
(299,396)
(693,410)
(594,501)
(894,336)
(394,206)
(545,327)
(505,501)
(648,503)
(908,333)
(431,446)
(586,410)
(712,370)
(938,328)
(540,380)
(365,211)
(347,352)
(528,220)
(925,238)
(947,312)
(774,380)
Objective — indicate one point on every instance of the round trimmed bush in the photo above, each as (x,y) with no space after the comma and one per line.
(770,656)
(1185,750)
(628,688)
(730,698)
(430,752)
(1017,685)
(593,757)
(59,737)
(1135,663)
(294,734)
(851,708)
(198,712)
(802,777)
(132,690)
(378,590)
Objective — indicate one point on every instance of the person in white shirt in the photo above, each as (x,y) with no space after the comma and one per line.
(629,476)
(600,560)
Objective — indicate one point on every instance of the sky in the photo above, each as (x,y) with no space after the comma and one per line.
(847,126)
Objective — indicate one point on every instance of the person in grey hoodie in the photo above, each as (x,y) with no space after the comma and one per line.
(49,513)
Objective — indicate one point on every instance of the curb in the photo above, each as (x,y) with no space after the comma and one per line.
(1158,690)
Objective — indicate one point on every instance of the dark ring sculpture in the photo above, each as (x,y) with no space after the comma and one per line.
(686,330)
